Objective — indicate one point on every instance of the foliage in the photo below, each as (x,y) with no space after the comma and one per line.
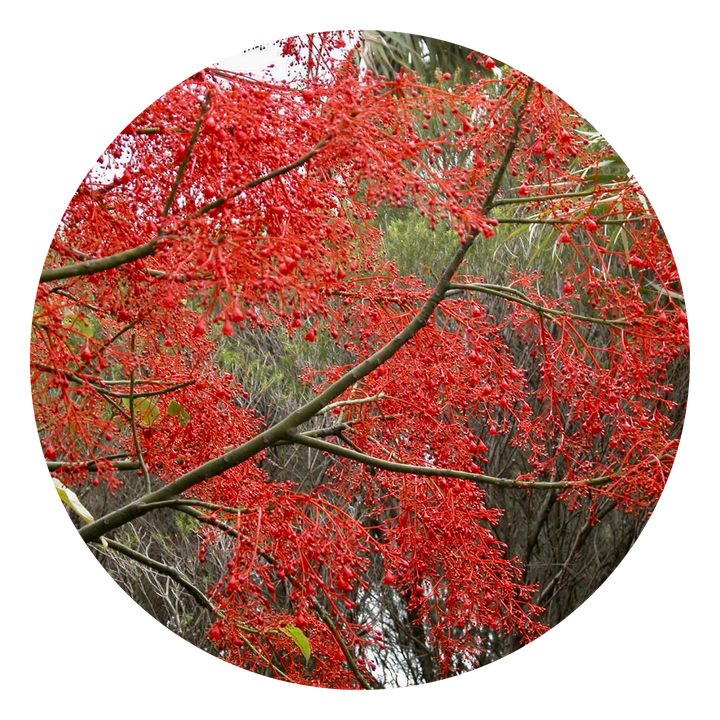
(385,53)
(351,416)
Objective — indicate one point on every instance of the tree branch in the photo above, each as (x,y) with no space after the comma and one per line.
(171,572)
(91,465)
(389,465)
(325,617)
(133,425)
(538,198)
(568,221)
(516,296)
(90,267)
(183,165)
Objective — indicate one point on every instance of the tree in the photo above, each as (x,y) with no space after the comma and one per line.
(388,52)
(239,216)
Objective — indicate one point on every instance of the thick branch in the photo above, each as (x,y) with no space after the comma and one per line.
(91,465)
(537,198)
(89,267)
(569,221)
(398,467)
(516,296)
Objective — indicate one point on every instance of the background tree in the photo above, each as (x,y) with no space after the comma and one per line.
(386,53)
(233,205)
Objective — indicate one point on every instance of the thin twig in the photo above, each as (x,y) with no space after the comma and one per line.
(171,572)
(343,645)
(183,165)
(133,425)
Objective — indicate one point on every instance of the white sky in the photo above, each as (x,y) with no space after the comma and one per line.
(267,60)
(258,61)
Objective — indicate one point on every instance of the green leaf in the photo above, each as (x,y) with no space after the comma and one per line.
(300,639)
(606,172)
(81,324)
(71,500)
(146,410)
(177,410)
(601,209)
(664,291)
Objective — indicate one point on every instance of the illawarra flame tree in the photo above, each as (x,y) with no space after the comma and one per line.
(236,204)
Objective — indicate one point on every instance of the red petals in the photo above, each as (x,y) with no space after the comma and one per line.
(390,578)
(199,328)
(86,355)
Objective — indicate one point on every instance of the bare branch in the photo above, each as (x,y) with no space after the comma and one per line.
(391,466)
(171,572)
